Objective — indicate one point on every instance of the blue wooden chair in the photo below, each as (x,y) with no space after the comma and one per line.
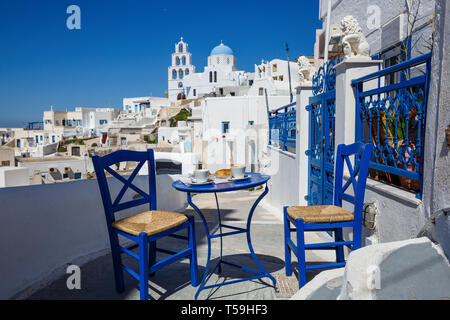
(144,228)
(330,218)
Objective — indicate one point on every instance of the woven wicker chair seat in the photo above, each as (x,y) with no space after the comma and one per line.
(320,214)
(151,222)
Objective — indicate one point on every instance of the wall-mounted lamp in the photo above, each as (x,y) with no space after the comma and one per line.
(369,215)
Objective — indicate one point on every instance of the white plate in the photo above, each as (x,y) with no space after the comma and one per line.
(193,183)
(240,179)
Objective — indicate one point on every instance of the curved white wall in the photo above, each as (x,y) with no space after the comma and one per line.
(45,227)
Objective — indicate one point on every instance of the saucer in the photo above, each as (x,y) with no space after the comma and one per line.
(208,182)
(239,179)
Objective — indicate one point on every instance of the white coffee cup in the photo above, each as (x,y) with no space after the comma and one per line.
(201,176)
(238,172)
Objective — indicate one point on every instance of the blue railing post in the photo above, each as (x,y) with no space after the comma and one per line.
(283,119)
(285,128)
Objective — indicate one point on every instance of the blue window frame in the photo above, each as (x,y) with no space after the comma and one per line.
(225,127)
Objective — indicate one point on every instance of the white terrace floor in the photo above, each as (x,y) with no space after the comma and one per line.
(172,282)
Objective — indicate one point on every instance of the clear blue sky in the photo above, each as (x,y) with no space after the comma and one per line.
(124,47)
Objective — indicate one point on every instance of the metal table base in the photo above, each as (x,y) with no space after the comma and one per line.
(261,273)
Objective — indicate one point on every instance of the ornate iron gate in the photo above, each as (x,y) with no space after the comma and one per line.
(322,107)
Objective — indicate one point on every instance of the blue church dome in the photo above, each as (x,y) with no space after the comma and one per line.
(221,49)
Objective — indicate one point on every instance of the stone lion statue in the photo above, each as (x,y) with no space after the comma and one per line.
(353,40)
(306,70)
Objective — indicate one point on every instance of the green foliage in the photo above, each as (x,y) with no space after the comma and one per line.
(80,142)
(147,140)
(183,115)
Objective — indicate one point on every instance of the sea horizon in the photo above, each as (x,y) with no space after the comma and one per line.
(13,123)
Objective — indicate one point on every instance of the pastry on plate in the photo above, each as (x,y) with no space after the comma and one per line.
(223,173)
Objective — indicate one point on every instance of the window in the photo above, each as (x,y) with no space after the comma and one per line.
(210,76)
(195,92)
(261,91)
(103,122)
(53,139)
(274,68)
(37,139)
(18,143)
(228,60)
(136,108)
(232,94)
(5,163)
(221,91)
(251,123)
(215,76)
(65,175)
(177,61)
(180,47)
(183,60)
(225,127)
(174,75)
(393,77)
(186,72)
(275,78)
(180,74)
(280,78)
(77,175)
(57,122)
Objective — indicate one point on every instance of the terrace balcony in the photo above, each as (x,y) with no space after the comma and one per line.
(63,224)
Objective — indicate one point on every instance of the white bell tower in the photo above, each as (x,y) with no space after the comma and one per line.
(180,68)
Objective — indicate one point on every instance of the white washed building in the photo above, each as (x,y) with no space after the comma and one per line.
(220,72)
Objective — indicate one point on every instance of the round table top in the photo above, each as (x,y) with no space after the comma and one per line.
(256,179)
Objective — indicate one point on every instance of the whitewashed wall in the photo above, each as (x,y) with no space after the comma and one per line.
(283,184)
(46,227)
(388,10)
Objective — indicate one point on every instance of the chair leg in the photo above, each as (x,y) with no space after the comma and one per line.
(143,266)
(338,236)
(193,258)
(301,253)
(287,249)
(151,256)
(117,262)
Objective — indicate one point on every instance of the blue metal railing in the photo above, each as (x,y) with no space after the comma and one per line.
(392,117)
(283,127)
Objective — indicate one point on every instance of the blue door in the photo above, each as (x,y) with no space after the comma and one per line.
(322,107)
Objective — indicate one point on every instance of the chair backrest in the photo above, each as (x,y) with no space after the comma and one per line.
(102,164)
(357,176)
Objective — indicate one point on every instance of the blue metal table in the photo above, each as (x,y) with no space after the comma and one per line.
(255,180)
